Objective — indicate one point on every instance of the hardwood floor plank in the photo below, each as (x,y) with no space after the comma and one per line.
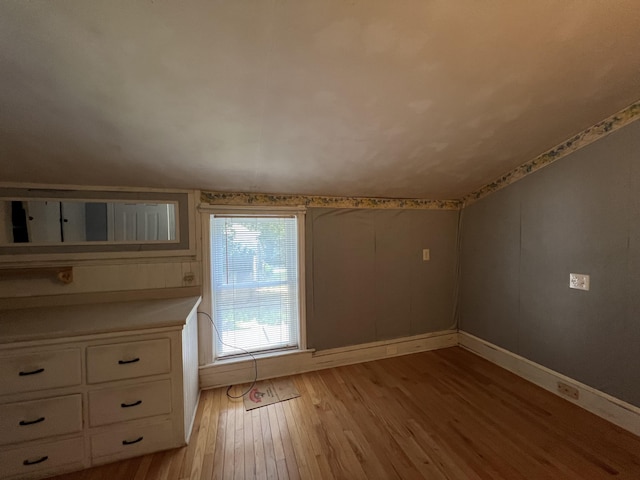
(267,441)
(218,451)
(360,414)
(258,446)
(176,463)
(143,468)
(278,447)
(212,437)
(289,454)
(305,459)
(195,462)
(155,469)
(467,414)
(239,446)
(334,442)
(308,421)
(445,414)
(377,421)
(229,441)
(248,447)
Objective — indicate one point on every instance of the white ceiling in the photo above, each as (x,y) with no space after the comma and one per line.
(407,98)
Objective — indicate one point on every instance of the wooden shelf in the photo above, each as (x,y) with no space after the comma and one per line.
(62,274)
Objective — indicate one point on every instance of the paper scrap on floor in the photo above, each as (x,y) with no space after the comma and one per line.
(269,392)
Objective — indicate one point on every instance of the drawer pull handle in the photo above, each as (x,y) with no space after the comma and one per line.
(26,463)
(127,442)
(134,404)
(32,372)
(125,362)
(24,423)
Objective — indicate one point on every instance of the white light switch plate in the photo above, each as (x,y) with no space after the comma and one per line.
(426,255)
(579,281)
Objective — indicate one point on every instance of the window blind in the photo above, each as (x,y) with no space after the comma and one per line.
(254,283)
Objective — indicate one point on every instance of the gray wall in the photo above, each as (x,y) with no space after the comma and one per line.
(581,215)
(365,277)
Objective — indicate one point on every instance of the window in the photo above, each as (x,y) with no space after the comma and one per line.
(255,282)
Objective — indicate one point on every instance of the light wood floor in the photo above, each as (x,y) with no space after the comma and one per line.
(434,415)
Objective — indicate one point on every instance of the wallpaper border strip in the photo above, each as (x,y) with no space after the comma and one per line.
(578,141)
(265,199)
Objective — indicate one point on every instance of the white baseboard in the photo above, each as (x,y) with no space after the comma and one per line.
(599,403)
(610,408)
(292,363)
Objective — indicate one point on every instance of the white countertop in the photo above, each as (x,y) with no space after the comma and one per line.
(27,324)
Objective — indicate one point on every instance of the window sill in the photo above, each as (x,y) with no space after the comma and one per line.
(239,360)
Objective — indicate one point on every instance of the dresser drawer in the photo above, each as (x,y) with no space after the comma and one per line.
(113,405)
(24,421)
(40,371)
(118,361)
(27,461)
(131,441)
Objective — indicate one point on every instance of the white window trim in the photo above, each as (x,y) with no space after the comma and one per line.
(206,333)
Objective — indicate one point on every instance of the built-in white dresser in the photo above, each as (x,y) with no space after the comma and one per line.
(83,385)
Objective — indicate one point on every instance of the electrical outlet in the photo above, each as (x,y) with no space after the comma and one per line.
(568,391)
(426,255)
(579,281)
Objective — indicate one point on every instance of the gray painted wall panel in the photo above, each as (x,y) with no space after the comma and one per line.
(393,270)
(581,215)
(366,280)
(432,283)
(574,220)
(490,259)
(343,278)
(630,348)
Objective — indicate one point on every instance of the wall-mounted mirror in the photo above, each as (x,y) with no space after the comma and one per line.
(42,221)
(51,221)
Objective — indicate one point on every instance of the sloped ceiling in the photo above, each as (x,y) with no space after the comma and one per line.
(408,98)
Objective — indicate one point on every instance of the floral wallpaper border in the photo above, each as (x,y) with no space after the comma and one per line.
(582,139)
(265,199)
